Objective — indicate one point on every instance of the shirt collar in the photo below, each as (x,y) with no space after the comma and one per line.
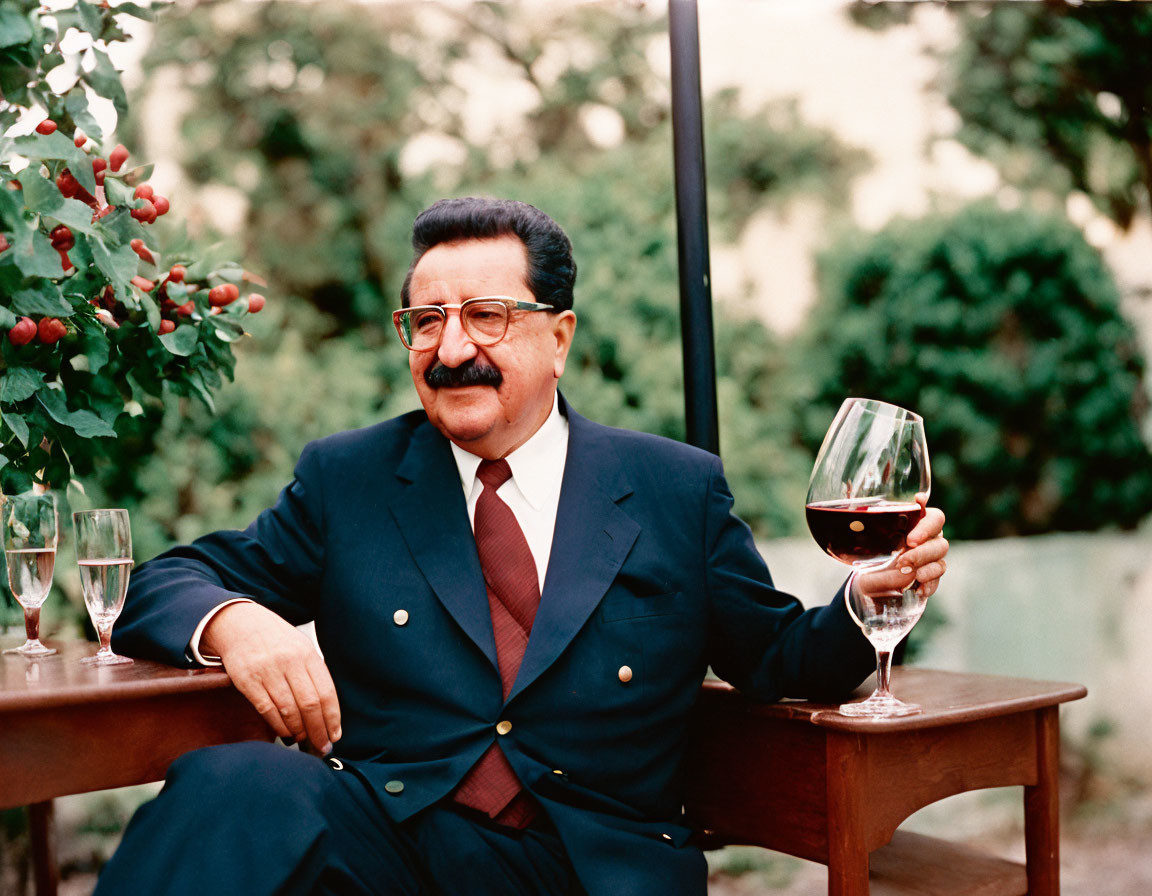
(537,465)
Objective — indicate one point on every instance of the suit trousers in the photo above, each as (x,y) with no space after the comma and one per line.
(258,819)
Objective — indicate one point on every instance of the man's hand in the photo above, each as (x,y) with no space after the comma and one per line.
(922,563)
(276,667)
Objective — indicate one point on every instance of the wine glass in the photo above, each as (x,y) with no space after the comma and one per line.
(30,553)
(104,552)
(868,490)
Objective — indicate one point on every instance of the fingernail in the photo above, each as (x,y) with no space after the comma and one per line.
(905,570)
(337,734)
(326,749)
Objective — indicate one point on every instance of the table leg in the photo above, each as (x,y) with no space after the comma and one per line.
(42,834)
(847,811)
(1042,808)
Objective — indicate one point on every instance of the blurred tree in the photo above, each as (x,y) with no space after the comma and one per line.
(1003,330)
(1056,94)
(335,124)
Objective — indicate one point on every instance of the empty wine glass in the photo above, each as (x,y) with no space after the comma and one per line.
(868,490)
(30,553)
(104,552)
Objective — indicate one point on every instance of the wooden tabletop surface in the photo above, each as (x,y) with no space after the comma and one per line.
(945,698)
(62,679)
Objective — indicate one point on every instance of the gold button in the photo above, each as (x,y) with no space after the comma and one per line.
(503,727)
(394,787)
(558,771)
(667,837)
(625,674)
(400,617)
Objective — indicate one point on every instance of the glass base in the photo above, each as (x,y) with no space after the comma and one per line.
(879,706)
(32,649)
(105,659)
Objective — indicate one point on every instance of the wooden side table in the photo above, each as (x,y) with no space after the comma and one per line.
(802,779)
(71,728)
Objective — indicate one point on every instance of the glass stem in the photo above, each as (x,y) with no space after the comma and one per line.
(32,623)
(883,672)
(105,639)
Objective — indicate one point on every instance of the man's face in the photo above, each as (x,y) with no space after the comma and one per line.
(487,419)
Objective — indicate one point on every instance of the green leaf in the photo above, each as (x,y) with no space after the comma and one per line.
(55,147)
(90,18)
(117,192)
(7,319)
(105,80)
(134,9)
(75,214)
(181,341)
(76,105)
(14,26)
(226,330)
(202,391)
(19,383)
(86,424)
(34,256)
(40,194)
(151,309)
(117,264)
(46,300)
(18,426)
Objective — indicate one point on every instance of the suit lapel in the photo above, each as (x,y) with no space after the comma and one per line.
(432,516)
(592,538)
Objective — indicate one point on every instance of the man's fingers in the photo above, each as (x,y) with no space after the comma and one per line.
(256,694)
(930,525)
(329,702)
(311,713)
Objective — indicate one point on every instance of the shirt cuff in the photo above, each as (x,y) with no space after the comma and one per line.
(194,643)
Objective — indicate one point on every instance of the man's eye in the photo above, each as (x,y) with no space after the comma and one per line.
(425,320)
(484,315)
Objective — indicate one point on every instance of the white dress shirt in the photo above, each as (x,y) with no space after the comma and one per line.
(532,493)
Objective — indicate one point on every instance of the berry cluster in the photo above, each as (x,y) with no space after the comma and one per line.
(146,206)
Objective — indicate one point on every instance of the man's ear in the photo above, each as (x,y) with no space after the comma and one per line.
(563,328)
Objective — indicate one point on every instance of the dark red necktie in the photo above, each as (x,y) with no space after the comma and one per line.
(491,786)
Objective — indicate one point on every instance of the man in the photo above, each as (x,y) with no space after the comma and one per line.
(516,607)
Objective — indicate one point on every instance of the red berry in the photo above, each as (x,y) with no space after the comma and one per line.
(4,244)
(162,205)
(143,283)
(176,275)
(255,303)
(51,330)
(65,261)
(144,191)
(146,214)
(143,251)
(80,139)
(118,157)
(47,126)
(224,294)
(24,331)
(186,309)
(167,326)
(99,167)
(62,237)
(67,184)
(107,319)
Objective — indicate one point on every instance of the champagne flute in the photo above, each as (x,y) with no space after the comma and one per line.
(30,552)
(104,552)
(868,490)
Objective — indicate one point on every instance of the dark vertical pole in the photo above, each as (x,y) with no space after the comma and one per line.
(702,428)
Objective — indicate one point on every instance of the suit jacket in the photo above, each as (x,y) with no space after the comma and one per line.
(649,569)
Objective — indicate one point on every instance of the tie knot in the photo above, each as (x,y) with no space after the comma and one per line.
(494,473)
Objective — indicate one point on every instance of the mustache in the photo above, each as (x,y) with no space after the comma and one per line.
(467,374)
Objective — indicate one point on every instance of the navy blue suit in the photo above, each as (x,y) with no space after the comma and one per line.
(649,569)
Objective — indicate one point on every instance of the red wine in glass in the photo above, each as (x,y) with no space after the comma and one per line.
(868,490)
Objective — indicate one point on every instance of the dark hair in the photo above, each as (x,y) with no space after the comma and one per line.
(551,268)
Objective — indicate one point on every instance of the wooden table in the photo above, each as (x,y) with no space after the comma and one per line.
(794,777)
(803,779)
(69,728)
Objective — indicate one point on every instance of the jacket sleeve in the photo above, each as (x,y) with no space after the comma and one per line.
(761,639)
(277,561)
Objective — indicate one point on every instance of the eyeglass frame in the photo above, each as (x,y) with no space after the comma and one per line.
(507,301)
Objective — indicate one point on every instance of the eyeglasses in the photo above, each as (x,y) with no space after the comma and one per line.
(484,319)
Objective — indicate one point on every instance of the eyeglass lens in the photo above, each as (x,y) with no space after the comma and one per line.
(485,322)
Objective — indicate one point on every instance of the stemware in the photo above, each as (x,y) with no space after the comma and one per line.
(104,552)
(869,488)
(30,533)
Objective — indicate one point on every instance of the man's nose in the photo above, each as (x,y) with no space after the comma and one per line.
(456,346)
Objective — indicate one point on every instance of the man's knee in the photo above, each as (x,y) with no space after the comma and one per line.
(254,775)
